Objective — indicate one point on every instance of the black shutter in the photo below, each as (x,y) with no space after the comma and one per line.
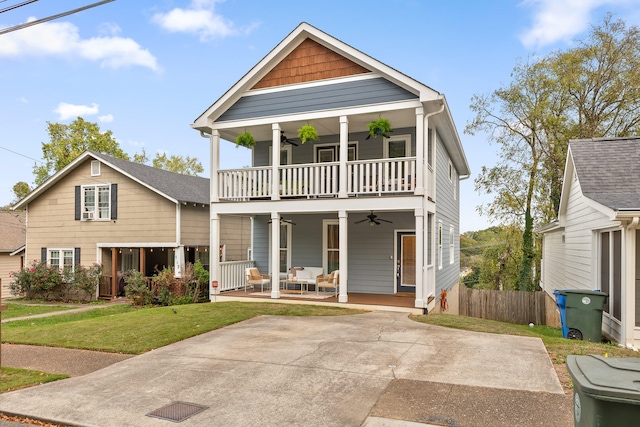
(114,201)
(78,207)
(76,256)
(43,254)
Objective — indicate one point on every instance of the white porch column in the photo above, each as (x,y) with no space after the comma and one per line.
(628,296)
(275,253)
(344,259)
(420,276)
(275,163)
(214,158)
(420,141)
(214,253)
(344,156)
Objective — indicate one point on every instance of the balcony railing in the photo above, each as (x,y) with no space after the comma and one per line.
(364,177)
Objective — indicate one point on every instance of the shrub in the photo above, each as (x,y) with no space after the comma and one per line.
(136,288)
(38,280)
(84,279)
(200,286)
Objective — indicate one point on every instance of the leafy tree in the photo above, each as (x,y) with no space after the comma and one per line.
(20,190)
(590,90)
(184,165)
(69,141)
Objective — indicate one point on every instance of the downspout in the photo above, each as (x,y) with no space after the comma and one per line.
(426,232)
(630,287)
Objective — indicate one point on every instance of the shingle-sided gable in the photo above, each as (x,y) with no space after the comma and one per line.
(12,231)
(608,170)
(183,188)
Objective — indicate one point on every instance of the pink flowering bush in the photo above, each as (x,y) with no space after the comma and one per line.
(40,280)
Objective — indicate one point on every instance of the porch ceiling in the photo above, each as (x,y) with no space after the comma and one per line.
(325,126)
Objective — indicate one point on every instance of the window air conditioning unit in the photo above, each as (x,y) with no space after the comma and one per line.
(88,215)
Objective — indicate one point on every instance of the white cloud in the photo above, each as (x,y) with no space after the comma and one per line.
(23,100)
(199,18)
(107,118)
(561,20)
(69,111)
(63,39)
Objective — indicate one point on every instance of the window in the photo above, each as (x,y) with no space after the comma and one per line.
(331,152)
(451,245)
(61,259)
(285,155)
(95,168)
(611,271)
(96,202)
(439,245)
(450,171)
(285,245)
(399,146)
(455,185)
(331,245)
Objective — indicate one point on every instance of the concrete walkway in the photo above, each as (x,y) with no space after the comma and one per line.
(376,370)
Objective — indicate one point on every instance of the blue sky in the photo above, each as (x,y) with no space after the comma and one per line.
(145,69)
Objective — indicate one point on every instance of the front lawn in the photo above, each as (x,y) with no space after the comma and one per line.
(126,329)
(557,347)
(13,378)
(20,310)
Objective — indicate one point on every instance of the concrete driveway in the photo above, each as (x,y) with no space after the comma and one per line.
(301,371)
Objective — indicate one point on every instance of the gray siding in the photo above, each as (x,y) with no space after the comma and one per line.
(304,153)
(317,98)
(447,212)
(371,250)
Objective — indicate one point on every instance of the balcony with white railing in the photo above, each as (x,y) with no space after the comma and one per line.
(364,177)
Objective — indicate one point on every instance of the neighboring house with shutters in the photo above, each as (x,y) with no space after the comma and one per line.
(595,242)
(12,242)
(124,215)
(383,211)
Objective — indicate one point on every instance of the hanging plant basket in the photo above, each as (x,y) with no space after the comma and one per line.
(379,127)
(307,132)
(245,140)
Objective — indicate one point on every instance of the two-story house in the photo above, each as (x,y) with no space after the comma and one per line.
(125,215)
(382,210)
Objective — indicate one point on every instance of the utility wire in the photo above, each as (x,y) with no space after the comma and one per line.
(51,18)
(15,6)
(20,154)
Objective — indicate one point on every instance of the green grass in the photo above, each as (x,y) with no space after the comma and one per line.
(19,310)
(557,347)
(126,329)
(14,378)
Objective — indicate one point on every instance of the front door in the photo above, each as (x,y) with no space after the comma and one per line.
(406,261)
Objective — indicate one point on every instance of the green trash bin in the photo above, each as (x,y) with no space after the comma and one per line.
(605,391)
(584,313)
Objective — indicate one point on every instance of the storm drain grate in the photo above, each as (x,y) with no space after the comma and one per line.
(177,411)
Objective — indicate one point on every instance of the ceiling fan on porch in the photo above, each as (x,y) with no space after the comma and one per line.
(373,220)
(286,221)
(285,140)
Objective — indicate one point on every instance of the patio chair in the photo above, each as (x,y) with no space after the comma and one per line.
(331,281)
(253,278)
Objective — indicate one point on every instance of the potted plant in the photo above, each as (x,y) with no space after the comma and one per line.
(246,140)
(307,132)
(379,127)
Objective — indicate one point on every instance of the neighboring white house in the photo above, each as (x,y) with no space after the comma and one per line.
(383,211)
(594,242)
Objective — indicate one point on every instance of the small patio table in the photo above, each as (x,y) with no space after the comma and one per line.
(304,286)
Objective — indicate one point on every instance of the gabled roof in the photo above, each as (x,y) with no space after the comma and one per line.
(301,33)
(609,171)
(12,231)
(175,187)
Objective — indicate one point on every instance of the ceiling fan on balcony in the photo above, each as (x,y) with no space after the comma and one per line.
(285,140)
(373,220)
(285,221)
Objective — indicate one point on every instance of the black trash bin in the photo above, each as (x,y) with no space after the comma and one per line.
(605,391)
(584,314)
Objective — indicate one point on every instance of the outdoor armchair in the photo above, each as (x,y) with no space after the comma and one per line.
(253,278)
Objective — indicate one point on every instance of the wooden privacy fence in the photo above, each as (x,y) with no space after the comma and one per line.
(518,307)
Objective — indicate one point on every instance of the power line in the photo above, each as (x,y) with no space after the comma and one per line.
(20,154)
(51,18)
(15,6)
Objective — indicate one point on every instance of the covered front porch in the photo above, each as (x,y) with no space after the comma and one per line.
(379,248)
